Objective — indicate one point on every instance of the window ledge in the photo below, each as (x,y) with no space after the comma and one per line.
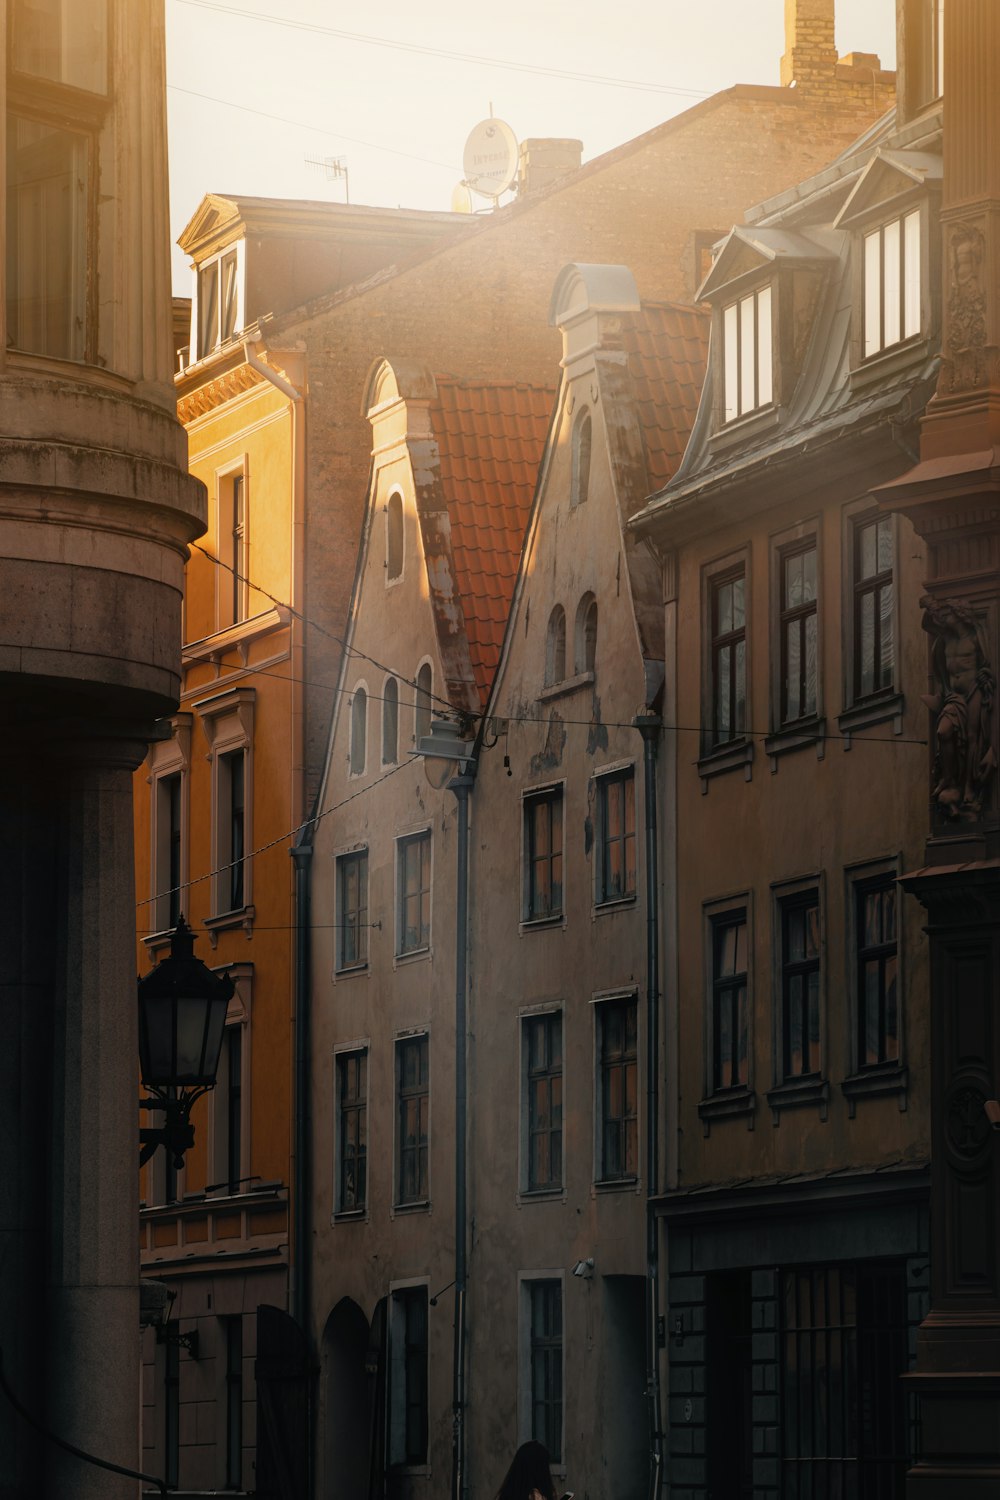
(235,635)
(533,924)
(871,711)
(797,736)
(616,1185)
(890,361)
(412,955)
(751,424)
(730,757)
(726,1104)
(349,971)
(349,1216)
(795,1092)
(542,1194)
(422,1206)
(158,942)
(223,921)
(567,686)
(614,903)
(876,1082)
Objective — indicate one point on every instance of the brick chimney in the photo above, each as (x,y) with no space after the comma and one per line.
(541,161)
(810,50)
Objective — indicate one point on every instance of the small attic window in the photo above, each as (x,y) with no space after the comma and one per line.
(586,634)
(394,538)
(359,731)
(217,301)
(582,439)
(555,647)
(892,283)
(748,377)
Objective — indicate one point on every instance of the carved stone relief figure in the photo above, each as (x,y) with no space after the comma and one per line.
(966,307)
(964,758)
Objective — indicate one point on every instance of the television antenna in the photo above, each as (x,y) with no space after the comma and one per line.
(334,168)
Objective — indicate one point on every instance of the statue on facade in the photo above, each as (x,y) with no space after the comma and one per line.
(964,757)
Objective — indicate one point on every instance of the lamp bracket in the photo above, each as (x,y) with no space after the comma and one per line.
(188,1341)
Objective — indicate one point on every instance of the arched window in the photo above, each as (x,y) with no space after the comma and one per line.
(585,645)
(359,730)
(555,647)
(394,537)
(581,459)
(422,710)
(390,722)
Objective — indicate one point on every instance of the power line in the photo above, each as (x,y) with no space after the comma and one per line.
(302,125)
(602,80)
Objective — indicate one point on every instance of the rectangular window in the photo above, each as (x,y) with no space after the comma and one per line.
(543,1073)
(545,1325)
(414,893)
(843,1346)
(167,854)
(616,827)
(412,1119)
(234,1402)
(48,238)
(800,959)
(730,1019)
(352,910)
(543,876)
(233,1065)
(874,654)
(171,1405)
(352,1131)
(748,368)
(617,1030)
(892,283)
(877,992)
(233,547)
(218,302)
(408,1350)
(232,788)
(728,662)
(798,627)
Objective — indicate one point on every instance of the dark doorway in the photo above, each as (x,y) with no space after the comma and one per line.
(729,1393)
(625,1427)
(346,1416)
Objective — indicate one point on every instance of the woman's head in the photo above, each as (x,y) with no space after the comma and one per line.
(529,1471)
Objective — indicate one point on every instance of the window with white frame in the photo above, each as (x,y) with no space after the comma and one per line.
(617,1021)
(800,957)
(413,1102)
(351,1191)
(227,719)
(543,854)
(229,1136)
(394,538)
(413,894)
(892,283)
(351,946)
(169,762)
(872,605)
(615,835)
(542,1113)
(748,370)
(233,534)
(358,750)
(542,1363)
(408,1376)
(218,299)
(390,722)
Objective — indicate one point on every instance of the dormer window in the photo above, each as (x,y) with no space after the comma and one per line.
(747,345)
(892,283)
(217,301)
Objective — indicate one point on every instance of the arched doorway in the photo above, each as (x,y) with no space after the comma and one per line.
(346,1416)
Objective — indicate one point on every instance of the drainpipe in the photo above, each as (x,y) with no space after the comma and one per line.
(650,726)
(461,786)
(269,373)
(302,853)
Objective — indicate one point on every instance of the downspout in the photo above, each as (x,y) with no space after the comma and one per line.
(650,726)
(269,373)
(461,786)
(302,853)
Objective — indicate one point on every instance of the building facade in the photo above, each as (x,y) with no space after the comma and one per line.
(96,513)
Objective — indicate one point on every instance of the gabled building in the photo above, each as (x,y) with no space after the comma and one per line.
(795,1208)
(454,466)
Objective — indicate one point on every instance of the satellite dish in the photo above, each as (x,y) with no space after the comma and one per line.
(490,158)
(461,199)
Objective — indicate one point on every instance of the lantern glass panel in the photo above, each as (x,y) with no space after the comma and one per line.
(191,1018)
(214,1033)
(158,1031)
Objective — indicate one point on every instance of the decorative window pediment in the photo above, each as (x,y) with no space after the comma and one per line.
(889,178)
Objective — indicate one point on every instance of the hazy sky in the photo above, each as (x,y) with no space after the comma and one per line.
(400,116)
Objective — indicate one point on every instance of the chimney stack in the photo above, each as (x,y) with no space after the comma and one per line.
(810,49)
(542,160)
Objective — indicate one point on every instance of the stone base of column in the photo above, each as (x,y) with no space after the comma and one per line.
(959,1436)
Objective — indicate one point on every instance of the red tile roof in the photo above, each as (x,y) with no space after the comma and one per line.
(667,349)
(490,440)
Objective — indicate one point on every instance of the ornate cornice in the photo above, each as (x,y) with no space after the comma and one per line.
(214,393)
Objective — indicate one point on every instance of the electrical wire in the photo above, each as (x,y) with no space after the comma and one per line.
(603,80)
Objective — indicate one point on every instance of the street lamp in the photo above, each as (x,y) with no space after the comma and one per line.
(182,1017)
(449,761)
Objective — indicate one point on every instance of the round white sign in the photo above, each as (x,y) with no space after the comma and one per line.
(490,158)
